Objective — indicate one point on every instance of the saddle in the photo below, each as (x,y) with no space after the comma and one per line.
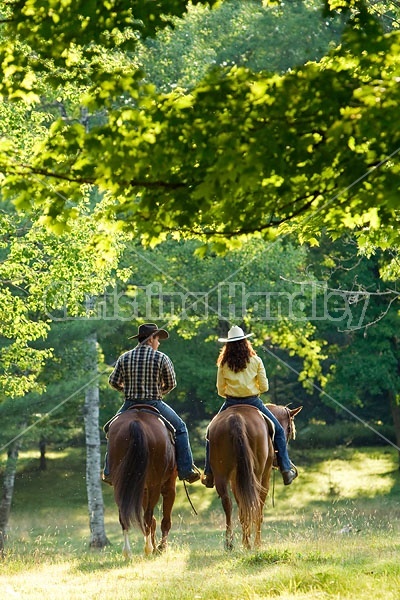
(269,423)
(148,409)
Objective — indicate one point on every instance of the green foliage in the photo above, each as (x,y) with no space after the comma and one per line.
(361,325)
(42,272)
(243,152)
(259,37)
(64,30)
(43,276)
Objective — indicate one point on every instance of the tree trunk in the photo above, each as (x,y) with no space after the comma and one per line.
(98,537)
(8,490)
(42,449)
(395,408)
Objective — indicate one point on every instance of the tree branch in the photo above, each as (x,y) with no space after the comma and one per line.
(91,180)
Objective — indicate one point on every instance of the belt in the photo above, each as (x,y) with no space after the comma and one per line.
(241,397)
(142,401)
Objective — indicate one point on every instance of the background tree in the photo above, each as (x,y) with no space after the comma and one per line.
(237,33)
(93,455)
(46,276)
(248,151)
(361,329)
(204,143)
(240,152)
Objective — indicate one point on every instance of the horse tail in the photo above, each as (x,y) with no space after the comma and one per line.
(130,478)
(247,486)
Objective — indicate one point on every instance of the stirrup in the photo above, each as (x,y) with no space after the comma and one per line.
(193,476)
(207,479)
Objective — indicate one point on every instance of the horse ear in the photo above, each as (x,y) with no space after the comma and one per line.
(295,411)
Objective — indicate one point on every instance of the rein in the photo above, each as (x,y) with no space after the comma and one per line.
(290,428)
(273,487)
(290,435)
(189,499)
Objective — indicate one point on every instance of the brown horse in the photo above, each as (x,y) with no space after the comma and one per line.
(242,456)
(143,467)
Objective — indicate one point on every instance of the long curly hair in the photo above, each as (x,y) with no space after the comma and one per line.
(236,355)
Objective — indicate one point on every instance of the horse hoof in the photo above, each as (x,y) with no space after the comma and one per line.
(229,546)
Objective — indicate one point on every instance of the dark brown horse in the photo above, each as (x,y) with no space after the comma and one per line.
(241,457)
(143,467)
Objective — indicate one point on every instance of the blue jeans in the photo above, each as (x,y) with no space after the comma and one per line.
(184,457)
(280,444)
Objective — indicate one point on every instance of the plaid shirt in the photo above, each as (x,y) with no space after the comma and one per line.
(143,374)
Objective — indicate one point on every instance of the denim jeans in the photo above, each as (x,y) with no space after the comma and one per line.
(280,444)
(184,457)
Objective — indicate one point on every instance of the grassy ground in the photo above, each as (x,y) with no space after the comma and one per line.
(334,533)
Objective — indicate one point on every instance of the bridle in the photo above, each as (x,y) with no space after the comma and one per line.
(290,431)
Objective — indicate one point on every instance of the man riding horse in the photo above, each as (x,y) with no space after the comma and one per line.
(145,375)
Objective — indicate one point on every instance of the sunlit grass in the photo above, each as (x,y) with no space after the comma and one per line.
(334,533)
(354,569)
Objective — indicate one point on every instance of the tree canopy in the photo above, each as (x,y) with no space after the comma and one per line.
(241,152)
(97,154)
(247,149)
(250,34)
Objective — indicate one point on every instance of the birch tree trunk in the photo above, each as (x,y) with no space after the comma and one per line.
(98,537)
(8,490)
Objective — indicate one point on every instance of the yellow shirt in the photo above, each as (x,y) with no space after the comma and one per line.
(250,382)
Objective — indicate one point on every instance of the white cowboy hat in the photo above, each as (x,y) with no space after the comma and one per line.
(235,334)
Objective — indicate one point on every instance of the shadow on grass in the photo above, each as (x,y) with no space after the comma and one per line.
(50,508)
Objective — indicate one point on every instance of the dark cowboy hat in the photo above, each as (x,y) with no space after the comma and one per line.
(148,329)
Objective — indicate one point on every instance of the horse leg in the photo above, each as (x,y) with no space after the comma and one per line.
(222,490)
(153,534)
(245,533)
(150,532)
(263,495)
(126,548)
(148,543)
(227,506)
(168,494)
(258,524)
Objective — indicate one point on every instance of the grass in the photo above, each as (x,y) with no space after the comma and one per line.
(334,533)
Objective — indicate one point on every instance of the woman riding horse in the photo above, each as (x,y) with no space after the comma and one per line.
(241,458)
(241,378)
